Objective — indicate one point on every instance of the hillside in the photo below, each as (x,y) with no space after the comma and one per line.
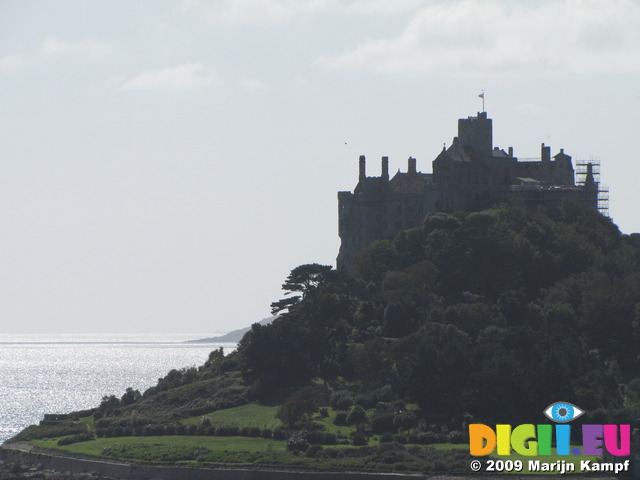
(477,317)
(231,337)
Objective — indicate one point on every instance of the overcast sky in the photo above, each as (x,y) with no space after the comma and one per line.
(165,164)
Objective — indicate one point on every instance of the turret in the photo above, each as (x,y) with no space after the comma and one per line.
(477,133)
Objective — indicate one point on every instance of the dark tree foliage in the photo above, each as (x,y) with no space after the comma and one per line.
(486,316)
(296,410)
(304,341)
(303,279)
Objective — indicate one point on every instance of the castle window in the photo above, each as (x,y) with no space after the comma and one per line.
(399,224)
(399,209)
(412,208)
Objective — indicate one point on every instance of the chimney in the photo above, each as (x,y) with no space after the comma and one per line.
(511,152)
(385,169)
(412,165)
(545,153)
(363,168)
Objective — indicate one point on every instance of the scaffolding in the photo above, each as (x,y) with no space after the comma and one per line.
(603,190)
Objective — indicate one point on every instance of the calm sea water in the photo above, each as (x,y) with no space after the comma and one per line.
(61,373)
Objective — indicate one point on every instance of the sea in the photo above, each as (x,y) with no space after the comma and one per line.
(62,373)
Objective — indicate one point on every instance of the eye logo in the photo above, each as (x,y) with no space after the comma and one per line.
(562,412)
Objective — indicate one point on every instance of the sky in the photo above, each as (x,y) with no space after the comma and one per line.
(165,164)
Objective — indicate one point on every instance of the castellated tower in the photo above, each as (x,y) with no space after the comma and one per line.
(476,133)
(470,175)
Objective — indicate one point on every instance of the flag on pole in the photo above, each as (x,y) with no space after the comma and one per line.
(481,95)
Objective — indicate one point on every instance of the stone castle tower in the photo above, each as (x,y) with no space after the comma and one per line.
(470,175)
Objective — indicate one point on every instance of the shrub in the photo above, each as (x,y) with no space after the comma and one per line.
(227,431)
(80,437)
(359,439)
(330,439)
(298,442)
(341,400)
(456,436)
(384,394)
(356,415)
(386,437)
(340,418)
(364,400)
(406,420)
(383,422)
(191,430)
(313,450)
(315,437)
(400,438)
(279,434)
(428,438)
(151,430)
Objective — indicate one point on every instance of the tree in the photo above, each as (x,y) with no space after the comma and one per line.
(303,279)
(296,410)
(130,396)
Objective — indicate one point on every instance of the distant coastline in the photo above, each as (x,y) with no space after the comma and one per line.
(233,336)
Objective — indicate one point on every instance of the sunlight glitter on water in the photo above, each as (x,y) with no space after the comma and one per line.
(61,373)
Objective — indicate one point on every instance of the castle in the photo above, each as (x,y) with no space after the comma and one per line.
(470,175)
